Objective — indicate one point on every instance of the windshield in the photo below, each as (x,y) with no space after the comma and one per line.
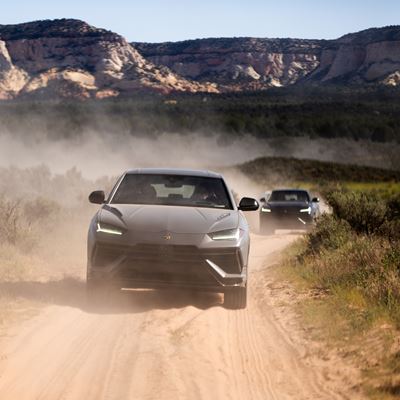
(289,195)
(172,190)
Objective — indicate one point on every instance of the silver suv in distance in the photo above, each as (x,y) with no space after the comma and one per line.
(162,228)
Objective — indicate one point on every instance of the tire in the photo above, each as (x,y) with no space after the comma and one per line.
(236,298)
(266,229)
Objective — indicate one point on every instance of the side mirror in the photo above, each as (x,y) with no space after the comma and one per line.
(315,200)
(263,200)
(97,197)
(248,204)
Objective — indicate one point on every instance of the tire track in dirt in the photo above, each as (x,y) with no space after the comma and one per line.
(148,345)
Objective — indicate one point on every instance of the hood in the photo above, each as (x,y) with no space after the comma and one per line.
(288,204)
(175,219)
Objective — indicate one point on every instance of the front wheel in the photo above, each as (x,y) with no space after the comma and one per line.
(236,298)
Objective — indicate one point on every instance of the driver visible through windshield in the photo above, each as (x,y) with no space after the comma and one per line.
(289,195)
(172,190)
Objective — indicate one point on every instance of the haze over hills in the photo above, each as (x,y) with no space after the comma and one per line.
(70,59)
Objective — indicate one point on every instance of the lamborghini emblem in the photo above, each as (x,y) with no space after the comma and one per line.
(167,236)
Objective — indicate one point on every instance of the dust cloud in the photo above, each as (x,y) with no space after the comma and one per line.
(44,184)
(99,153)
(51,175)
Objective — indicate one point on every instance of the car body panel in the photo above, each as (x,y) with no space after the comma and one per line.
(156,218)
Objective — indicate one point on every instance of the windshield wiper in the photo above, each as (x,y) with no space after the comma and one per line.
(209,203)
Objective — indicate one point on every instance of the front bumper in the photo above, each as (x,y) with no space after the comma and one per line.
(159,266)
(289,221)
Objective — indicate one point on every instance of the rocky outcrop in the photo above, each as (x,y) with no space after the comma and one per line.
(238,63)
(370,56)
(12,79)
(366,57)
(392,79)
(69,58)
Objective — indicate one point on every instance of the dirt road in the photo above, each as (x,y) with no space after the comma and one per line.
(161,345)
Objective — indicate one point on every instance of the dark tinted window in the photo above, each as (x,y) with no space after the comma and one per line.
(289,195)
(172,190)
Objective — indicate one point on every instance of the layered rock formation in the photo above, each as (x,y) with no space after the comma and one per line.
(69,58)
(371,56)
(238,63)
(12,78)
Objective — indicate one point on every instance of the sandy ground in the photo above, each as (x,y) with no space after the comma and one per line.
(164,345)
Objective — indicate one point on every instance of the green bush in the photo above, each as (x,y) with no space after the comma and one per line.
(350,265)
(357,247)
(368,264)
(393,207)
(365,212)
(370,212)
(352,258)
(330,233)
(389,291)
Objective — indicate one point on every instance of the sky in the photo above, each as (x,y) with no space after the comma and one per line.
(173,20)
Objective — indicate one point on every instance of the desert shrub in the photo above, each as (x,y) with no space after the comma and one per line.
(330,233)
(357,247)
(41,210)
(365,212)
(353,259)
(393,207)
(326,174)
(368,264)
(389,287)
(23,221)
(347,265)
(391,229)
(69,189)
(12,228)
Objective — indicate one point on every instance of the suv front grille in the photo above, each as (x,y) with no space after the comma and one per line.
(159,257)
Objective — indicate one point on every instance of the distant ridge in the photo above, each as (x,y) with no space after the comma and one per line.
(369,57)
(68,58)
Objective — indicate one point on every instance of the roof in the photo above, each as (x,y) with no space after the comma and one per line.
(175,171)
(289,190)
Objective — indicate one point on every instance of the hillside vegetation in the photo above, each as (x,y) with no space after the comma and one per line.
(268,170)
(293,112)
(351,262)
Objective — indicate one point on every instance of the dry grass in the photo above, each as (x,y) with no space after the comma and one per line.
(43,232)
(353,261)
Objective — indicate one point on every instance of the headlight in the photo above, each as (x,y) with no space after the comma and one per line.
(228,234)
(265,209)
(106,228)
(306,210)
